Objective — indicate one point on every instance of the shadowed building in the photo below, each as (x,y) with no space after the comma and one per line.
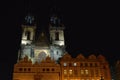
(117,67)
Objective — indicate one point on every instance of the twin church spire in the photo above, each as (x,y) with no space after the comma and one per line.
(37,50)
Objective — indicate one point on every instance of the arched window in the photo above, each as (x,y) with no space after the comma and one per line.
(56,35)
(41,56)
(27,33)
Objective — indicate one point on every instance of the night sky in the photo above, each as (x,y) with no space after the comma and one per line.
(90,28)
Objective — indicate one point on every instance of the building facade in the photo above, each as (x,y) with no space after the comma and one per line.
(79,68)
(46,59)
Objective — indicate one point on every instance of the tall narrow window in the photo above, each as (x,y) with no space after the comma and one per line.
(90,64)
(57,52)
(82,71)
(70,71)
(81,64)
(28,35)
(65,72)
(57,36)
(86,71)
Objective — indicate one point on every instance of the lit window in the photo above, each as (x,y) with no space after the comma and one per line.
(86,71)
(82,71)
(70,71)
(65,64)
(75,64)
(65,71)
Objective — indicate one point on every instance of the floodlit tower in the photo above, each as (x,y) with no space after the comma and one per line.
(28,30)
(28,37)
(56,30)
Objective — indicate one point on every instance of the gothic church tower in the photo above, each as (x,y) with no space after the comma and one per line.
(28,37)
(38,47)
(56,29)
(28,30)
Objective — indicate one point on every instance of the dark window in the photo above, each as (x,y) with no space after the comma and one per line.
(29,69)
(57,52)
(104,67)
(81,64)
(90,64)
(47,69)
(53,69)
(20,69)
(57,36)
(28,35)
(86,64)
(24,69)
(70,64)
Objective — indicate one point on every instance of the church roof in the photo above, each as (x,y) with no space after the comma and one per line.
(42,40)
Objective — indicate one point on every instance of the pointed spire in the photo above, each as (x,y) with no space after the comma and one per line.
(29,19)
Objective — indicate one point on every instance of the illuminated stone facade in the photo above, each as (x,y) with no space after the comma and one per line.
(38,47)
(79,68)
(117,70)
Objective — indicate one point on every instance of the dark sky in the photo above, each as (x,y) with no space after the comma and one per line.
(91,27)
